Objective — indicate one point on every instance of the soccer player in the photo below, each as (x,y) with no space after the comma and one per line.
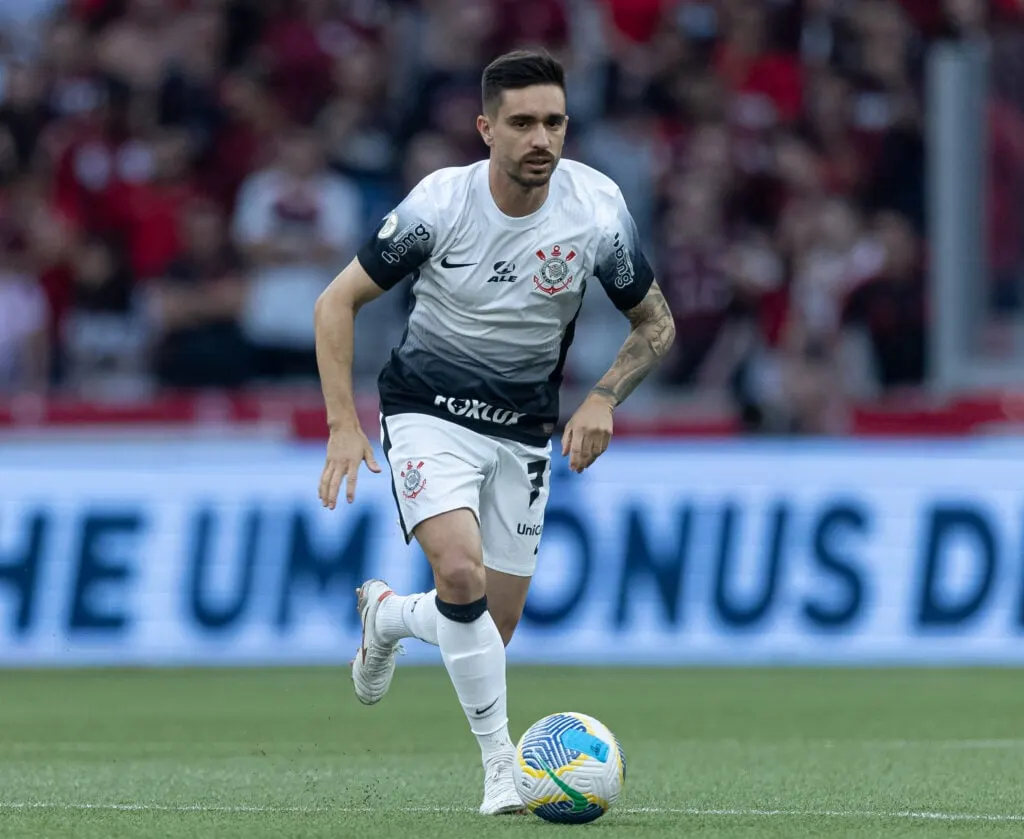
(500,253)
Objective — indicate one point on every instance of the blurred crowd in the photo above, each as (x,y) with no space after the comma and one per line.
(179,179)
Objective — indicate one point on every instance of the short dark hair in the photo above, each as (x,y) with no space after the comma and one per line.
(516,70)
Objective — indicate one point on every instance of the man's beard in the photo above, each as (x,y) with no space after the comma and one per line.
(523,176)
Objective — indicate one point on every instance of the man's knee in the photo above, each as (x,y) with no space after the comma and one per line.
(459,576)
(451,542)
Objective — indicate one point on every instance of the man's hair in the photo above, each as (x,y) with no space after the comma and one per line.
(516,70)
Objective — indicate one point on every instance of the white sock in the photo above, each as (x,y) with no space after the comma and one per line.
(474,656)
(411,616)
(497,741)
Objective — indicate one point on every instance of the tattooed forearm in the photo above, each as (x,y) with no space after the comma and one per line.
(651,335)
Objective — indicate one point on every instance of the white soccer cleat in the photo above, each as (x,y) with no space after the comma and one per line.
(500,795)
(374,664)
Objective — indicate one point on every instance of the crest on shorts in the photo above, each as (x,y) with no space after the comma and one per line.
(557,269)
(412,479)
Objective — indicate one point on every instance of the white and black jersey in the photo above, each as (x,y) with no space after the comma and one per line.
(496,297)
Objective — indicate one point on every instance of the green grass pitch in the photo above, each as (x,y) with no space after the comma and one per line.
(711,753)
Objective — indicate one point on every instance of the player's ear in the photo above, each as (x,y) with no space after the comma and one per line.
(483,125)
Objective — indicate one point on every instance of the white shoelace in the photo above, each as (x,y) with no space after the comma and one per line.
(498,767)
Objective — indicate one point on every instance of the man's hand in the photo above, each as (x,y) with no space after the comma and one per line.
(346,449)
(588,432)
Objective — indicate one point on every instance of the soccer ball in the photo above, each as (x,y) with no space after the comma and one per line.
(569,768)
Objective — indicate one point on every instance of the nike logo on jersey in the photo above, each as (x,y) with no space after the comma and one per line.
(481,711)
(446,264)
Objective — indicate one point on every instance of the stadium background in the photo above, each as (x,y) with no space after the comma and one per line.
(826,473)
(831,193)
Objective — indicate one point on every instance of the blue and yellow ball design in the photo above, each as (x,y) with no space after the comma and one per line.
(569,768)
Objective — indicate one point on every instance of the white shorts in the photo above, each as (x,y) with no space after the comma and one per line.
(438,466)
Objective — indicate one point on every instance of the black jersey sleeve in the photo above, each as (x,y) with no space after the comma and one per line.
(403,240)
(621,266)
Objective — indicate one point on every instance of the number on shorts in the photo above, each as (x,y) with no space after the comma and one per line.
(535,469)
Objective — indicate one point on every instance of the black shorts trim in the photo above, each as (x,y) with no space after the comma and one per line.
(394,492)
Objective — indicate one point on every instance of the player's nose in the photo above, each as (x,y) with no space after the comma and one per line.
(539,138)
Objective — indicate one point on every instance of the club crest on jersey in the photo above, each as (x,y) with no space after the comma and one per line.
(556,270)
(412,479)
